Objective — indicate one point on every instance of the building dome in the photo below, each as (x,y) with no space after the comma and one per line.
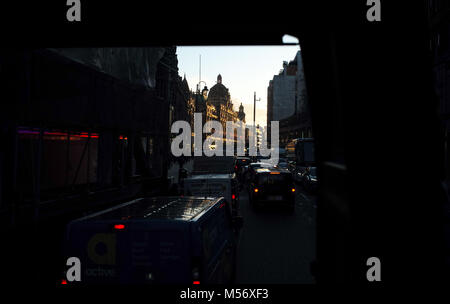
(218,92)
(241,113)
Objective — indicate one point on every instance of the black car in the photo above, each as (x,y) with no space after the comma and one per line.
(283,165)
(308,179)
(239,163)
(292,165)
(251,170)
(272,187)
(297,173)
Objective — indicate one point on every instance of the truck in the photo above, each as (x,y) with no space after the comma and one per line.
(301,150)
(156,240)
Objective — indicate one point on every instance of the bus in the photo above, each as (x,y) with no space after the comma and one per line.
(301,150)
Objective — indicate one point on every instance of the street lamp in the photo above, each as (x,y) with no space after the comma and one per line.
(254,112)
(200,74)
(198,85)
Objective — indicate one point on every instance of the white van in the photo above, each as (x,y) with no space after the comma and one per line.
(214,185)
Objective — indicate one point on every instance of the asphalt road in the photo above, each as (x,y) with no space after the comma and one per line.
(275,247)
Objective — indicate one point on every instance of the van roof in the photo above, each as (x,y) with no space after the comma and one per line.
(272,169)
(210,176)
(169,208)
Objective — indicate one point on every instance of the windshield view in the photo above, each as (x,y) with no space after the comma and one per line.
(205,121)
(227,154)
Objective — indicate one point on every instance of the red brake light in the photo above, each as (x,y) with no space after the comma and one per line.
(63,282)
(196,282)
(233,196)
(119,227)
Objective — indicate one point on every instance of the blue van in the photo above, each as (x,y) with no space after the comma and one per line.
(160,240)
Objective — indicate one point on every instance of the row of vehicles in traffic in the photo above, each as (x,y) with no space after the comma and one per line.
(186,239)
(298,158)
(275,185)
(190,238)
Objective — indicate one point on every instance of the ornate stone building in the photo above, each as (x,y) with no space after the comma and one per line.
(203,105)
(217,105)
(219,97)
(190,104)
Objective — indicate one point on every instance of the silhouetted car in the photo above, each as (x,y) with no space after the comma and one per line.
(309,179)
(283,165)
(251,169)
(239,163)
(297,174)
(272,187)
(292,166)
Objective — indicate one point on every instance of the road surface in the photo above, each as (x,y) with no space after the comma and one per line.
(275,247)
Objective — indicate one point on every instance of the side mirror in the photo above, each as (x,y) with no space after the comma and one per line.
(238,222)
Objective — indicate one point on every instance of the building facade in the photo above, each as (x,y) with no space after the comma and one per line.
(287,102)
(219,97)
(284,91)
(215,104)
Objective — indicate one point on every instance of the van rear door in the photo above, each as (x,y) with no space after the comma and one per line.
(137,252)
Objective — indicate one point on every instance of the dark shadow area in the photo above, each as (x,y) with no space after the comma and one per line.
(375,117)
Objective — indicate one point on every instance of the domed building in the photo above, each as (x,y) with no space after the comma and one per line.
(215,104)
(219,96)
(241,113)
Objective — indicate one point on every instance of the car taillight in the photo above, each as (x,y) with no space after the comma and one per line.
(233,196)
(119,226)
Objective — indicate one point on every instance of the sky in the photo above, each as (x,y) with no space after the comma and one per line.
(244,70)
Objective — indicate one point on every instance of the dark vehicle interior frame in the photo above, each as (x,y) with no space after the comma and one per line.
(370,91)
